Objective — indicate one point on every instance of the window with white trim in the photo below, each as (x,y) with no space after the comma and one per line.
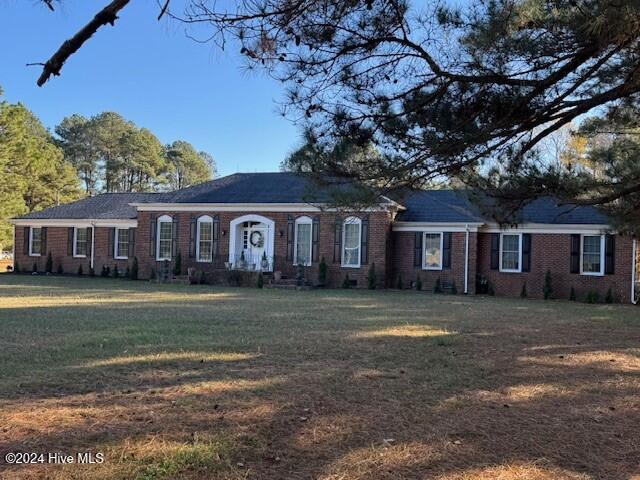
(510,252)
(432,251)
(592,256)
(80,239)
(164,237)
(35,241)
(351,238)
(204,234)
(302,245)
(121,243)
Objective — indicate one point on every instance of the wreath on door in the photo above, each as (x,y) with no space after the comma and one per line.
(257,239)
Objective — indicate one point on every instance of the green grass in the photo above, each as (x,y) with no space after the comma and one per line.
(175,381)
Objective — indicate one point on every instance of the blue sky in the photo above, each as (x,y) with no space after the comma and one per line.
(152,74)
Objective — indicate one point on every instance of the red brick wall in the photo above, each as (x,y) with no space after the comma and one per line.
(379,231)
(552,252)
(403,248)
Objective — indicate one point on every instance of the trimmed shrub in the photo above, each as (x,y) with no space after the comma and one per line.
(106,271)
(547,289)
(177,268)
(399,283)
(134,269)
(260,282)
(153,274)
(322,272)
(454,289)
(34,269)
(523,292)
(490,291)
(60,269)
(418,282)
(300,274)
(203,278)
(371,277)
(80,272)
(609,297)
(49,265)
(116,272)
(127,272)
(346,282)
(16,267)
(592,297)
(437,287)
(92,272)
(572,294)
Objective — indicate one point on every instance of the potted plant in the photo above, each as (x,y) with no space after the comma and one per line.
(264,263)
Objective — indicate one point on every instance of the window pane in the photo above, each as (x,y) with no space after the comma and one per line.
(205,245)
(81,241)
(351,247)
(432,252)
(510,252)
(303,243)
(36,240)
(591,261)
(122,242)
(165,240)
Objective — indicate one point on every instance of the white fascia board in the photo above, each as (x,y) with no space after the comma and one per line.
(243,207)
(69,222)
(435,227)
(548,228)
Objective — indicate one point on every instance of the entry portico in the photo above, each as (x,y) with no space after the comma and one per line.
(251,242)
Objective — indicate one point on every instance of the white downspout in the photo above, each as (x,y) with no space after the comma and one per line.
(466,260)
(93,243)
(633,271)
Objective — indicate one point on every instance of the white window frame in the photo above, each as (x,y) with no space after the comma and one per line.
(351,221)
(602,255)
(203,219)
(512,270)
(75,242)
(116,243)
(424,250)
(160,220)
(31,252)
(302,221)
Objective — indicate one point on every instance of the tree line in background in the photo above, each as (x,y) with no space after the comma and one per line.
(86,156)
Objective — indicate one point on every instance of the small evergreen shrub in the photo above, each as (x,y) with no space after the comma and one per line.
(49,265)
(300,274)
(572,295)
(346,283)
(490,291)
(16,267)
(153,274)
(92,272)
(609,297)
(127,272)
(592,297)
(203,278)
(418,282)
(371,277)
(34,269)
(105,271)
(523,292)
(177,268)
(80,272)
(399,283)
(60,270)
(116,272)
(437,287)
(547,289)
(260,282)
(134,269)
(454,289)
(322,272)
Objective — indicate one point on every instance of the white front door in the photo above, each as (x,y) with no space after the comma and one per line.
(254,243)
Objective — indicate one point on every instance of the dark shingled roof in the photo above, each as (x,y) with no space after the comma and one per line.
(111,206)
(454,206)
(273,187)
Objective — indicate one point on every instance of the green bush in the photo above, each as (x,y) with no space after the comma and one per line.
(92,272)
(177,268)
(399,283)
(203,278)
(437,287)
(609,297)
(260,282)
(105,271)
(116,272)
(127,272)
(547,289)
(16,267)
(418,282)
(34,269)
(49,265)
(322,272)
(60,269)
(300,274)
(134,269)
(371,277)
(592,297)
(153,274)
(572,294)
(523,292)
(490,291)
(346,283)
(80,272)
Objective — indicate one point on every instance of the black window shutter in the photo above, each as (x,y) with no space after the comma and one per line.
(112,242)
(89,241)
(290,235)
(315,239)
(364,241)
(192,236)
(43,241)
(216,235)
(417,249)
(132,242)
(495,251)
(174,237)
(446,249)
(27,232)
(575,253)
(70,241)
(337,240)
(526,252)
(609,254)
(152,236)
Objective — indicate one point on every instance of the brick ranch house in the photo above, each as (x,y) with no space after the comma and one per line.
(265,221)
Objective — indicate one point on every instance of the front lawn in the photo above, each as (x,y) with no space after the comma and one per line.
(173,382)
